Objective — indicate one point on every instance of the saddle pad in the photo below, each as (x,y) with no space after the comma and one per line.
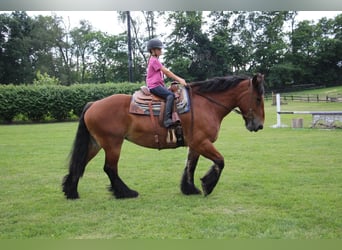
(140,103)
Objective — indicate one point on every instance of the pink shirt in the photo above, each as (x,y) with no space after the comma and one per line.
(154,76)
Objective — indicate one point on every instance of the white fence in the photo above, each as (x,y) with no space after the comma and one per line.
(328,119)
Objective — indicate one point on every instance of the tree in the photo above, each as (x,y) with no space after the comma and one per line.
(110,55)
(83,42)
(188,48)
(4,31)
(233,40)
(328,51)
(64,53)
(143,26)
(304,41)
(44,34)
(221,42)
(269,39)
(16,66)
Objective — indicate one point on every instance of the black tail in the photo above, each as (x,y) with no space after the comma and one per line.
(78,158)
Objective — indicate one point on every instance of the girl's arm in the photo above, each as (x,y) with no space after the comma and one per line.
(169,74)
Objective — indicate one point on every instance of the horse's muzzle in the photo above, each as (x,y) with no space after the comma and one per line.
(260,127)
(253,126)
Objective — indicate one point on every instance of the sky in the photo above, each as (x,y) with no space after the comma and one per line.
(107,21)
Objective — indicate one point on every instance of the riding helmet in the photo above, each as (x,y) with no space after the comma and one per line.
(153,44)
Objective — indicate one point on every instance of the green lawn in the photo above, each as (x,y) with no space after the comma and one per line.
(333,91)
(278,183)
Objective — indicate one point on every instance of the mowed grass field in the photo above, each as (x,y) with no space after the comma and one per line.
(277,184)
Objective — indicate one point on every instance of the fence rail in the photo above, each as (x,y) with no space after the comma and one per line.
(326,119)
(305,98)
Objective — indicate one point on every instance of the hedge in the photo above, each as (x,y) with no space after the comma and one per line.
(37,102)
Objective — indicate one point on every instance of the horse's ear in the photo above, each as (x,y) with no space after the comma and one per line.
(258,81)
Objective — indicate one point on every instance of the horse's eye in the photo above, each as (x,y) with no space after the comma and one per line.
(258,100)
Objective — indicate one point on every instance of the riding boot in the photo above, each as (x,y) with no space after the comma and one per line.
(168,111)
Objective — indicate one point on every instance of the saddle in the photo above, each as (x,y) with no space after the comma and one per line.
(143,99)
(143,102)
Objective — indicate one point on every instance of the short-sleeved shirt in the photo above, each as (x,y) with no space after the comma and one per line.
(154,76)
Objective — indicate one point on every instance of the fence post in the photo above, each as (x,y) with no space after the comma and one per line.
(274,102)
(278,110)
(278,125)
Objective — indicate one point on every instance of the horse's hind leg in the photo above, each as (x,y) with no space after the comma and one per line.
(118,187)
(83,150)
(70,181)
(187,183)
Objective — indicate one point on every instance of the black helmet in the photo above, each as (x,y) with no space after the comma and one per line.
(153,44)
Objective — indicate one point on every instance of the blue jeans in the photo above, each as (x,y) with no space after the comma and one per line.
(169,98)
(162,92)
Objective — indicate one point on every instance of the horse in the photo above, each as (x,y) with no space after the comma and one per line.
(106,124)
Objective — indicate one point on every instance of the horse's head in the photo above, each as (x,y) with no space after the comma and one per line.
(251,104)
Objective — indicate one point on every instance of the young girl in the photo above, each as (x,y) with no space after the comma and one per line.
(155,80)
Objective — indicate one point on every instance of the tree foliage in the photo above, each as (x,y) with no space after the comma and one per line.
(199,45)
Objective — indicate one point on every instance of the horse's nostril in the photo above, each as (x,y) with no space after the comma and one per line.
(261,127)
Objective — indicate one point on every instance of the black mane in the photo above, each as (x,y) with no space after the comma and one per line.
(218,84)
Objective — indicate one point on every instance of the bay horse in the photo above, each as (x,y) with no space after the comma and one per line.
(106,123)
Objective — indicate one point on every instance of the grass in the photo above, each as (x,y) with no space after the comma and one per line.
(278,183)
(331,91)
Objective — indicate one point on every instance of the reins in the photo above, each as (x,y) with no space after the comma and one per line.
(213,101)
(249,114)
(250,111)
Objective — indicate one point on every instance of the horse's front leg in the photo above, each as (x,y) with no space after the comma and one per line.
(210,179)
(187,183)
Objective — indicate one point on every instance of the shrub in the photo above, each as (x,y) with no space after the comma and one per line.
(35,102)
(9,106)
(45,79)
(56,101)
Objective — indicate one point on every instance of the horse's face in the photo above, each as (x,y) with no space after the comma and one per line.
(252,104)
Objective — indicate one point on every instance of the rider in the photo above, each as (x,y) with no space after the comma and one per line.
(155,80)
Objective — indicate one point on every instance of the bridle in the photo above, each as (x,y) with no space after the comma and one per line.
(249,115)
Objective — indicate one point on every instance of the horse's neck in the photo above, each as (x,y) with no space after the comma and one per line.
(217,105)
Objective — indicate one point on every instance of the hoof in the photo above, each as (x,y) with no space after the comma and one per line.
(190,190)
(208,186)
(210,180)
(205,189)
(125,195)
(72,196)
(133,194)
(70,188)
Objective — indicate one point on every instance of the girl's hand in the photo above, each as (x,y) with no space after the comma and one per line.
(183,82)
